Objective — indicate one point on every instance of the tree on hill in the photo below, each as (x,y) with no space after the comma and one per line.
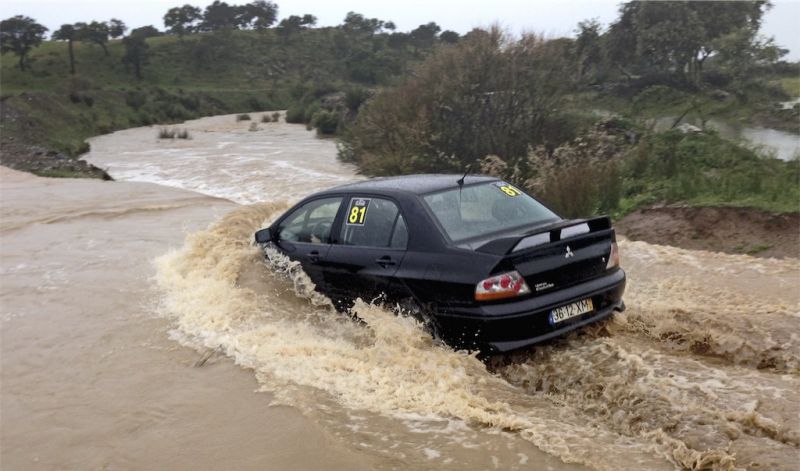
(677,37)
(588,47)
(96,33)
(293,24)
(69,34)
(425,35)
(182,20)
(259,14)
(148,31)
(19,34)
(358,24)
(116,28)
(398,40)
(449,37)
(136,49)
(220,16)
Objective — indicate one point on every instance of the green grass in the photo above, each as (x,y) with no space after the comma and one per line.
(61,174)
(791,85)
(758,249)
(704,169)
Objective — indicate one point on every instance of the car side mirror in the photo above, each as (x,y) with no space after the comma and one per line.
(263,236)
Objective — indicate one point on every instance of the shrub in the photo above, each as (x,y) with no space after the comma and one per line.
(489,94)
(105,128)
(183,134)
(80,97)
(265,118)
(135,99)
(166,133)
(176,112)
(243,117)
(253,127)
(190,102)
(581,177)
(73,148)
(355,97)
(295,114)
(144,118)
(276,116)
(255,104)
(310,110)
(326,122)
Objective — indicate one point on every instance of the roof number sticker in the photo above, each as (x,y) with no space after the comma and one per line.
(357,214)
(508,189)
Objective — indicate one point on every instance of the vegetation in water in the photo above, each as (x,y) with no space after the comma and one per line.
(171,133)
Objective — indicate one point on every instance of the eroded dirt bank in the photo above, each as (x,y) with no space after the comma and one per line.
(731,230)
(90,379)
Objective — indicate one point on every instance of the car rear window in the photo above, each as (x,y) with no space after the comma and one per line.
(487,208)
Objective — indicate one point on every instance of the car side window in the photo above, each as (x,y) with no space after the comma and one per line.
(369,222)
(400,234)
(310,223)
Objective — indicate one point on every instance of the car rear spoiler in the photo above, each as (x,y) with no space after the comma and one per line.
(545,234)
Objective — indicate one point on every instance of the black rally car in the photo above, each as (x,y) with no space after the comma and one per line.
(490,266)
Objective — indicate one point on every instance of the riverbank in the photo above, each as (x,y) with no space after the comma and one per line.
(717,229)
(46,163)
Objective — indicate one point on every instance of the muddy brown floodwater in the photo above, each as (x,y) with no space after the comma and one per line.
(141,329)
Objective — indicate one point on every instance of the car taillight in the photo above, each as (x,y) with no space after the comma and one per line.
(504,285)
(613,257)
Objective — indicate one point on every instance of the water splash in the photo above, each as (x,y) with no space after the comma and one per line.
(626,395)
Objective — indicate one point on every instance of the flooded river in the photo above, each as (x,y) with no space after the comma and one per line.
(141,329)
(767,142)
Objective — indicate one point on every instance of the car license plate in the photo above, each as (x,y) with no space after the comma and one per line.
(569,311)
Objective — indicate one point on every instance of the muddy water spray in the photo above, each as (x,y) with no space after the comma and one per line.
(605,400)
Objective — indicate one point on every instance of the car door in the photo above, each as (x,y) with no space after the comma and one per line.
(304,235)
(368,250)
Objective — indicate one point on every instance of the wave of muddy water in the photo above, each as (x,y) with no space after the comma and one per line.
(701,372)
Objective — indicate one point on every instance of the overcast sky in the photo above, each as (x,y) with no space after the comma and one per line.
(552,17)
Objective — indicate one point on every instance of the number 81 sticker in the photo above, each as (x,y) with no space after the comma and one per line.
(508,189)
(357,214)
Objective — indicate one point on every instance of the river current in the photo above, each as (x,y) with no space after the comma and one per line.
(701,372)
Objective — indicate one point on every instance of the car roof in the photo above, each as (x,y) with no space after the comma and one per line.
(413,184)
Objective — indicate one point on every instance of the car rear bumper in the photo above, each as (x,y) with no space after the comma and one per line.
(503,327)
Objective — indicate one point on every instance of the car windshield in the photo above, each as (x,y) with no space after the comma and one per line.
(483,209)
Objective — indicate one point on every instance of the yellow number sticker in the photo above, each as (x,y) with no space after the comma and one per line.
(509,190)
(357,214)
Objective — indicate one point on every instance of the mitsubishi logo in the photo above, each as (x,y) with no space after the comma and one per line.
(569,253)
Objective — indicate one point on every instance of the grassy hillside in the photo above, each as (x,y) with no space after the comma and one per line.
(200,74)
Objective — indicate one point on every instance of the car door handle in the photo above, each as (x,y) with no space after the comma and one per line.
(385,261)
(313,256)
